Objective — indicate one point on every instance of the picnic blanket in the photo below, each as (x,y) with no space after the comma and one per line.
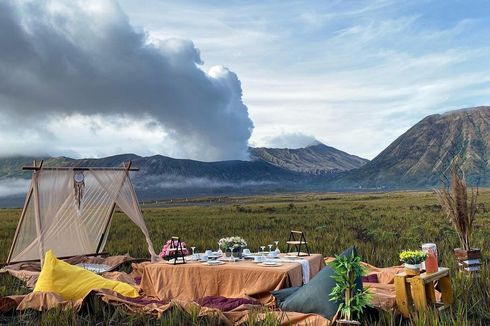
(28,272)
(381,286)
(238,315)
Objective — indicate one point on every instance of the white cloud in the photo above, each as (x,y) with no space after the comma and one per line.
(69,62)
(353,75)
(287,140)
(13,186)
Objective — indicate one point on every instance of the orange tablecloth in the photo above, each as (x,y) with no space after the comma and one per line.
(194,280)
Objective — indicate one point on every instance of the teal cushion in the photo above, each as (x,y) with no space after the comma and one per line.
(282,294)
(347,252)
(314,297)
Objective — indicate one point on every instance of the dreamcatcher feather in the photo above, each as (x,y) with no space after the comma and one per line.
(79,186)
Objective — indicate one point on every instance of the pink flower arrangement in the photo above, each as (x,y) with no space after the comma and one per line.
(166,253)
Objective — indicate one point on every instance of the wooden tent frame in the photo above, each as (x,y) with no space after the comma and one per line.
(33,194)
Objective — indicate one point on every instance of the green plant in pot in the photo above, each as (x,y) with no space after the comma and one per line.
(353,300)
(413,259)
(461,210)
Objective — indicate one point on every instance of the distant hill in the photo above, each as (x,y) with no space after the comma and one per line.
(315,159)
(421,155)
(164,177)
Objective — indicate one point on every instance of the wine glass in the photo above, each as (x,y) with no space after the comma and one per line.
(263,248)
(277,246)
(270,248)
(193,253)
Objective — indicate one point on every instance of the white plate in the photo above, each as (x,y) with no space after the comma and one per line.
(270,265)
(293,257)
(213,263)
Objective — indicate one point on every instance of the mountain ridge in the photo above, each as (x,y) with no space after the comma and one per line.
(421,156)
(316,159)
(418,158)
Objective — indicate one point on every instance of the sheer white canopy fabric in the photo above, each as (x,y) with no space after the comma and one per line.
(52,218)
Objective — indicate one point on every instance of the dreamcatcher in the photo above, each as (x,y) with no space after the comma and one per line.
(79,186)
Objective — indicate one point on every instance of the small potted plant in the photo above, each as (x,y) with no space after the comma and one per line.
(412,260)
(353,300)
(232,246)
(461,210)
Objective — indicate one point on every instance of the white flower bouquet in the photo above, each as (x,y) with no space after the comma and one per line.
(231,243)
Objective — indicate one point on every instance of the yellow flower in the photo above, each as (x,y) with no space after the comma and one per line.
(412,256)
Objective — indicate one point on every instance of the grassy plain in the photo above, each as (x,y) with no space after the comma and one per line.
(379,224)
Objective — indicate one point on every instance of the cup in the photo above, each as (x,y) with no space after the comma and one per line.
(208,252)
(246,251)
(258,259)
(273,254)
(204,257)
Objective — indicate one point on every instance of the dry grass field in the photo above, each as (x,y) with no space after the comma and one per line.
(379,224)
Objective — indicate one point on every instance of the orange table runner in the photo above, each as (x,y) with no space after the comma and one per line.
(194,280)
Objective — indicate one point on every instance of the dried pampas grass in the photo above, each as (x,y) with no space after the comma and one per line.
(459,210)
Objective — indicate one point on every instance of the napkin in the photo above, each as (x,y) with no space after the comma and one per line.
(305,267)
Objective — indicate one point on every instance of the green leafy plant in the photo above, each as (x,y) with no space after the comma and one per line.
(353,300)
(413,257)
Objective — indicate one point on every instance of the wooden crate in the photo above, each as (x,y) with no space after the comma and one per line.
(418,292)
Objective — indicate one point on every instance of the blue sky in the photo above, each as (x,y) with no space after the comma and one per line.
(91,78)
(353,74)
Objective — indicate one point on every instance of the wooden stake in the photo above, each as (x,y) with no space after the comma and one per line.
(77,168)
(37,212)
(127,168)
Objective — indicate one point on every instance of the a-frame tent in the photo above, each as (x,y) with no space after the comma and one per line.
(69,210)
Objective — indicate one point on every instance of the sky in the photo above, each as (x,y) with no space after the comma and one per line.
(206,79)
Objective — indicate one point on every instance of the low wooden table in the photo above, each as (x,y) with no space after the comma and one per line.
(419,291)
(194,280)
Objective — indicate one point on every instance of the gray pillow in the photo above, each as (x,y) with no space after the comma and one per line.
(314,297)
(282,294)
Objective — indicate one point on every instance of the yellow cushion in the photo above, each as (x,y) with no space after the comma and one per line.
(73,282)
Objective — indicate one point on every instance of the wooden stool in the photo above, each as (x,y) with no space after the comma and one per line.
(298,239)
(419,291)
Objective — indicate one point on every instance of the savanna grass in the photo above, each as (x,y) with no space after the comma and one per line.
(379,224)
